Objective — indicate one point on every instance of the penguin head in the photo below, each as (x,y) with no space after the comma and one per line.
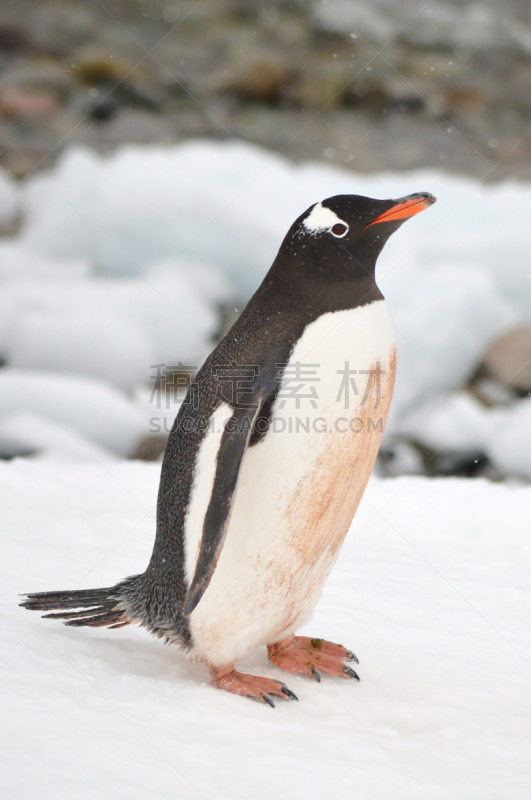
(347,216)
(346,233)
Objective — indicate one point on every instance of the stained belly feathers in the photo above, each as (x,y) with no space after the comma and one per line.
(299,488)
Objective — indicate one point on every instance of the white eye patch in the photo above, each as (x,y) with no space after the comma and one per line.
(321,218)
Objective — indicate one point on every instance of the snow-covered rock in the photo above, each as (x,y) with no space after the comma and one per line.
(112,329)
(18,262)
(448,422)
(509,444)
(445,318)
(28,433)
(91,407)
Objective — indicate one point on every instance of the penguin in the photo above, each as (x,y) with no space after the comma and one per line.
(268,459)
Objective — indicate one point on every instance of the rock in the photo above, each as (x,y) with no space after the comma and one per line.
(519,88)
(321,82)
(59,27)
(509,360)
(401,458)
(96,66)
(22,161)
(459,463)
(410,457)
(118,78)
(22,103)
(38,75)
(141,95)
(150,448)
(102,107)
(490,392)
(256,76)
(14,39)
(261,80)
(128,125)
(263,71)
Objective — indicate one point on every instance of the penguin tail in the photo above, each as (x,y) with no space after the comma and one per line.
(96,608)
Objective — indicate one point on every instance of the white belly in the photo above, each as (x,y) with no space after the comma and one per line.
(299,488)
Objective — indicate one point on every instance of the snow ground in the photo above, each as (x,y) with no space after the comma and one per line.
(431,590)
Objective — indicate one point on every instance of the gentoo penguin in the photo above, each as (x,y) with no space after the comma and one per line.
(268,459)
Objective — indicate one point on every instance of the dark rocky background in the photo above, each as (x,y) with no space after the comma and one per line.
(376,85)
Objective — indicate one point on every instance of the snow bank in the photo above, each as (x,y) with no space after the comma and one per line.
(124,261)
(444,318)
(107,328)
(431,590)
(230,204)
(456,421)
(76,403)
(509,442)
(26,433)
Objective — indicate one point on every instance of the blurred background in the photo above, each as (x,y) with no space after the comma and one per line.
(153,154)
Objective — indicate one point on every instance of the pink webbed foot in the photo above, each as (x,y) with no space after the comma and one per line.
(305,656)
(261,689)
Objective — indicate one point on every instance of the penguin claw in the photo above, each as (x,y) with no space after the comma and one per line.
(288,692)
(350,656)
(350,672)
(266,699)
(316,675)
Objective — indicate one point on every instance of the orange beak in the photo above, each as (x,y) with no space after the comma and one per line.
(406,207)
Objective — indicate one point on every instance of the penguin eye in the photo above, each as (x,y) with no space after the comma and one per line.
(339,229)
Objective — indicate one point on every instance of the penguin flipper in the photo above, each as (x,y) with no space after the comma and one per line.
(233,445)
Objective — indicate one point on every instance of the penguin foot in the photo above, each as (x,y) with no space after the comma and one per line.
(305,656)
(261,689)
